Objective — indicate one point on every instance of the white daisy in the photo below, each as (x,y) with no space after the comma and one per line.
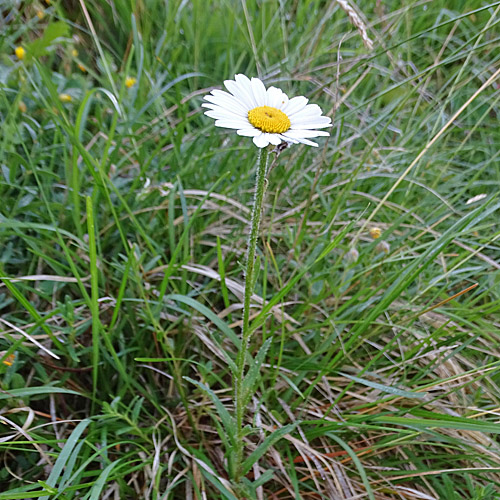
(268,116)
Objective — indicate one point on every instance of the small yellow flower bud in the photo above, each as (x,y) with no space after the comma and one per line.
(9,360)
(375,232)
(130,81)
(74,53)
(40,14)
(82,68)
(22,107)
(65,98)
(20,53)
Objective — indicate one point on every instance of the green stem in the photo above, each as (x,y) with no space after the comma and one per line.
(260,188)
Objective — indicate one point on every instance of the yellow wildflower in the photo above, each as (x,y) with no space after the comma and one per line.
(9,360)
(82,68)
(20,53)
(22,107)
(65,98)
(40,14)
(375,232)
(130,81)
(74,53)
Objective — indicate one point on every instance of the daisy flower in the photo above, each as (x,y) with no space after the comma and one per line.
(266,115)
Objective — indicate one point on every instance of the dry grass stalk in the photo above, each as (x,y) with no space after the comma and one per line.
(357,22)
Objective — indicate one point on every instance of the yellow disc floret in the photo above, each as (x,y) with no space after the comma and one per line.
(269,119)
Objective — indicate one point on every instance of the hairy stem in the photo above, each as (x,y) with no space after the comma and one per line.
(260,187)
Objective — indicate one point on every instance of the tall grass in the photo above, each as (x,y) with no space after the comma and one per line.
(122,246)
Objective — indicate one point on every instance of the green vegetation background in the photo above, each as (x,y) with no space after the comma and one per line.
(122,236)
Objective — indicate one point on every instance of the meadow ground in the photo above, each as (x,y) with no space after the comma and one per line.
(123,229)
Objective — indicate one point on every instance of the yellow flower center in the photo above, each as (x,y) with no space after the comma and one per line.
(269,119)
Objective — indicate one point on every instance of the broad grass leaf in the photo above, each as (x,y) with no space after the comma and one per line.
(65,454)
(386,388)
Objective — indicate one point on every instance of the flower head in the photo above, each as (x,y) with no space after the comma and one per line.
(65,98)
(20,53)
(7,360)
(266,115)
(130,81)
(74,53)
(375,232)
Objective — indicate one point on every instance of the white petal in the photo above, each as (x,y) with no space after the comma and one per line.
(249,132)
(239,93)
(215,107)
(260,141)
(218,114)
(309,126)
(225,123)
(309,110)
(259,91)
(228,109)
(317,122)
(226,100)
(273,139)
(295,104)
(302,134)
(276,98)
(322,121)
(223,111)
(297,140)
(288,139)
(245,87)
(308,143)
